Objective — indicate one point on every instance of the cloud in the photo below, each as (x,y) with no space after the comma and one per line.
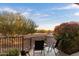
(8,10)
(24,11)
(35,16)
(76,14)
(19,10)
(45,15)
(29,9)
(70,6)
(27,13)
(41,15)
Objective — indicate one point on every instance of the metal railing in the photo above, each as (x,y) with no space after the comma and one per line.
(7,43)
(18,42)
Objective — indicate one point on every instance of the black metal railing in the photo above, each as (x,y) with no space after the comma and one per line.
(18,42)
(7,43)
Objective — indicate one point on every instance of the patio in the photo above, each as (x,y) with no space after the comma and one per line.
(28,42)
(38,53)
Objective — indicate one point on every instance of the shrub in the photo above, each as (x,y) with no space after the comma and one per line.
(16,23)
(13,52)
(68,34)
(3,54)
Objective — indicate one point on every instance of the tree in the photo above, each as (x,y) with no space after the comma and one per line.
(68,34)
(41,31)
(15,23)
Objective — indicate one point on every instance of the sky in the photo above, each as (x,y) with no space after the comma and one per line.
(45,15)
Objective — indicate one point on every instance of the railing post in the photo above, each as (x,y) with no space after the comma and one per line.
(22,43)
(30,42)
(23,53)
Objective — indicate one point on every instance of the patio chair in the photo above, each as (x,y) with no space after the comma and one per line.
(25,53)
(52,45)
(56,51)
(39,46)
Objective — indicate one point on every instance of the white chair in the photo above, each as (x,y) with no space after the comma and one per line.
(51,44)
(56,51)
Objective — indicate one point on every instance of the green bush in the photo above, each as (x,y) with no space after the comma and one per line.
(68,34)
(3,54)
(13,52)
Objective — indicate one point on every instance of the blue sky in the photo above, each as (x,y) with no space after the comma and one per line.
(45,15)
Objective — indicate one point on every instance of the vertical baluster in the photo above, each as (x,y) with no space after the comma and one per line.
(20,43)
(11,38)
(9,43)
(6,44)
(12,42)
(14,45)
(16,42)
(1,45)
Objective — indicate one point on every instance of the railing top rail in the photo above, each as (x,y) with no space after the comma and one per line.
(28,37)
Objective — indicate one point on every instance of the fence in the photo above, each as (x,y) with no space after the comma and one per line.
(19,43)
(7,43)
